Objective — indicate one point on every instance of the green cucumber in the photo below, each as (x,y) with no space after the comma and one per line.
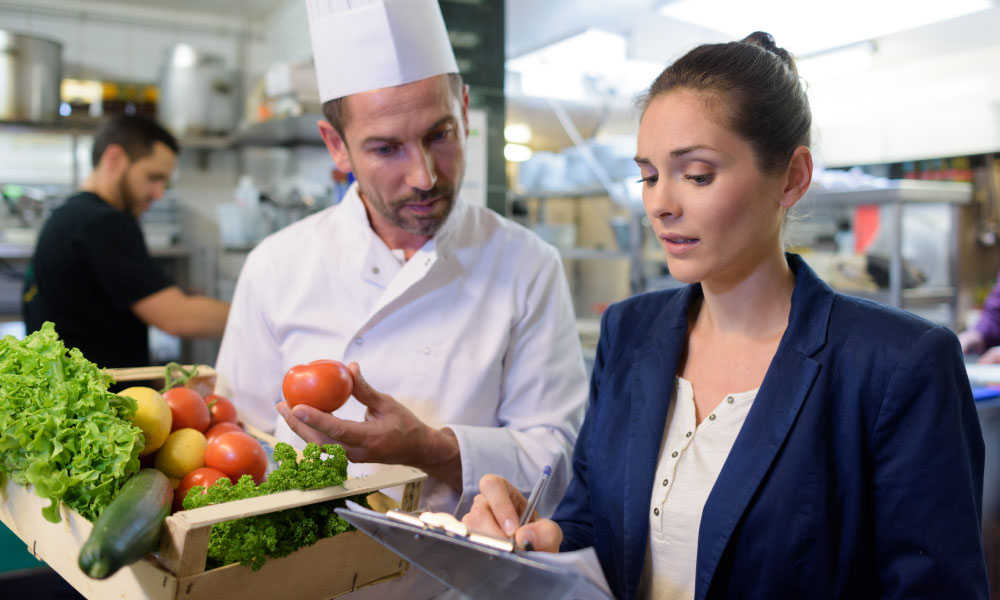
(130,525)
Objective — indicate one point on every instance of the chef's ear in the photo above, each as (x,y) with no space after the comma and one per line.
(114,160)
(335,145)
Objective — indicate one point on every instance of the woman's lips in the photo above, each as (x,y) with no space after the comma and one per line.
(678,244)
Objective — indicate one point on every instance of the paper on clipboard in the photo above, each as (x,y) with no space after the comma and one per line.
(483,572)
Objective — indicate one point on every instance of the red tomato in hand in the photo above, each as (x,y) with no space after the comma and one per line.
(235,454)
(204,476)
(322,384)
(216,430)
(188,408)
(221,409)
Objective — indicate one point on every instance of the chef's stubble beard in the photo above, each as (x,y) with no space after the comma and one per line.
(423,226)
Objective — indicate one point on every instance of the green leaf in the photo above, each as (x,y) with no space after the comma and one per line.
(61,431)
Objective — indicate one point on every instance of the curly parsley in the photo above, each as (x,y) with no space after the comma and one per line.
(250,541)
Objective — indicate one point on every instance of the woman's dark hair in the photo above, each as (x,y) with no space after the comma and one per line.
(758,81)
(135,133)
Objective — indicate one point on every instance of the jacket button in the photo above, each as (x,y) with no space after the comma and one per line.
(375,270)
(730,399)
(656,512)
(711,417)
(665,481)
(358,342)
(674,455)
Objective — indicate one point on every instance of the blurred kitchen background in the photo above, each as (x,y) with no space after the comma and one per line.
(905,95)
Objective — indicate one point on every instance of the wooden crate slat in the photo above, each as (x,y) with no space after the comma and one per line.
(144,373)
(209,515)
(346,562)
(58,544)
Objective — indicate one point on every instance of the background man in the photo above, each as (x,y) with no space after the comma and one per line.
(459,319)
(91,273)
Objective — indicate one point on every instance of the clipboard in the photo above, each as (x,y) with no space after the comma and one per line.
(474,569)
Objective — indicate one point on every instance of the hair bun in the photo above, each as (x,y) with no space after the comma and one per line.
(766,41)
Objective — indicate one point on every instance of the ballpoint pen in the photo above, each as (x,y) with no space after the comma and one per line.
(536,493)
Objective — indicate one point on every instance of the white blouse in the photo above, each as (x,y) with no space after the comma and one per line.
(691,458)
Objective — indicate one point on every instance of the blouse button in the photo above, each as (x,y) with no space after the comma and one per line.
(375,270)
(711,417)
(656,512)
(674,455)
(665,481)
(688,434)
(730,399)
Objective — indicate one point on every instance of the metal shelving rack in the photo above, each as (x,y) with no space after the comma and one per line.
(633,252)
(896,196)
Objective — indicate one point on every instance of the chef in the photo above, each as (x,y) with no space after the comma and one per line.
(460,321)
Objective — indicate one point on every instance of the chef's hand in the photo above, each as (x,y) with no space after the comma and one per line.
(390,434)
(496,511)
(991,356)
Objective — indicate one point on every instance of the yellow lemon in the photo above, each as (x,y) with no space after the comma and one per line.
(153,417)
(183,452)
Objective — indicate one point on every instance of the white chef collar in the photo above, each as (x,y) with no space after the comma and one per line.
(363,45)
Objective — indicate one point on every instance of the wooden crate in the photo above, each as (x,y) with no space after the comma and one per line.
(203,382)
(331,567)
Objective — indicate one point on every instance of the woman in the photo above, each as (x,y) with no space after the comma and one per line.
(756,434)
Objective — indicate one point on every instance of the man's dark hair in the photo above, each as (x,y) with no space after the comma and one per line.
(134,133)
(335,110)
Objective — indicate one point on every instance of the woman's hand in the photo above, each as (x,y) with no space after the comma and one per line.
(496,511)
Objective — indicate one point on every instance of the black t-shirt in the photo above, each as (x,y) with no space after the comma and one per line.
(90,265)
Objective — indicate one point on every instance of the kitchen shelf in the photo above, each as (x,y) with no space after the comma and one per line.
(585,192)
(894,196)
(592,253)
(901,191)
(913,297)
(57,127)
(288,131)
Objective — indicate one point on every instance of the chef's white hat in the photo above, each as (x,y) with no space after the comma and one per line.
(362,45)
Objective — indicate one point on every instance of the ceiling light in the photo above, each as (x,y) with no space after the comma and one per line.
(516,152)
(847,60)
(519,133)
(825,25)
(184,56)
(593,64)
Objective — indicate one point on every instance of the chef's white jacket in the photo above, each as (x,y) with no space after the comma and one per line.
(475,332)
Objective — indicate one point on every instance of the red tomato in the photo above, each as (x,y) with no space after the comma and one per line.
(221,409)
(322,384)
(188,408)
(204,476)
(235,454)
(216,430)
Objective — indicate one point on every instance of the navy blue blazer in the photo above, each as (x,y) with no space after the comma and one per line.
(858,472)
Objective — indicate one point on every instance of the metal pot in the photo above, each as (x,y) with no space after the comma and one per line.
(30,75)
(197,93)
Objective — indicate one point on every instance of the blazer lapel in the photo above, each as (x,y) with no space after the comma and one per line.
(785,387)
(652,375)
